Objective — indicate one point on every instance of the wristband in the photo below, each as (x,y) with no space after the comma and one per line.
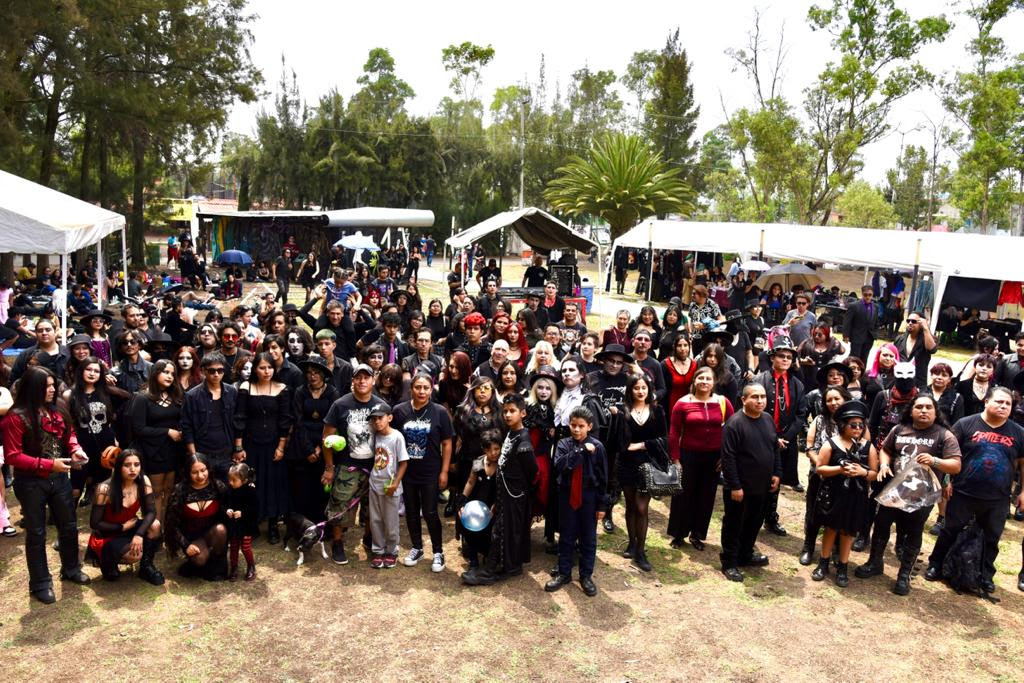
(237,449)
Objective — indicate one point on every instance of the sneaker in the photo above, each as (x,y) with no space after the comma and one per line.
(338,553)
(377,562)
(438,564)
(390,561)
(414,556)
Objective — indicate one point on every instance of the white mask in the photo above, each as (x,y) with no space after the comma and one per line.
(295,347)
(246,372)
(185,361)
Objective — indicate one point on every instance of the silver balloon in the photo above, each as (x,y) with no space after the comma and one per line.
(476,515)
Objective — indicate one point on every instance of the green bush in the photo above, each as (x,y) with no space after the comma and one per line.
(152,254)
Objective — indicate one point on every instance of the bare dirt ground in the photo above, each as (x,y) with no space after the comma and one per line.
(683,621)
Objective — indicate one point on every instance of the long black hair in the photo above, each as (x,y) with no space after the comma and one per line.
(721,369)
(153,388)
(907,416)
(828,423)
(79,404)
(30,400)
(115,485)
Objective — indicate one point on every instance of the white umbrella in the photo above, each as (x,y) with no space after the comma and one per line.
(754,265)
(357,241)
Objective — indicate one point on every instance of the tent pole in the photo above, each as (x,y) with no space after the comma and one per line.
(600,268)
(760,251)
(64,308)
(124,260)
(650,258)
(101,280)
(913,280)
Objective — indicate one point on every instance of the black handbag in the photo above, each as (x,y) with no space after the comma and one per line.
(656,482)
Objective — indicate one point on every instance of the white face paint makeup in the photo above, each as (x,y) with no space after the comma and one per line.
(295,347)
(185,361)
(246,371)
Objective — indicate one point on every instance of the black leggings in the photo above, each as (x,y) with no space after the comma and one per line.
(422,499)
(636,515)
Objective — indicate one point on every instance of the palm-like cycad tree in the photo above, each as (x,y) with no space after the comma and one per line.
(623,182)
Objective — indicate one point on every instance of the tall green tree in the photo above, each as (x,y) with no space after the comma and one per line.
(988,101)
(637,79)
(863,206)
(670,115)
(848,107)
(622,182)
(908,188)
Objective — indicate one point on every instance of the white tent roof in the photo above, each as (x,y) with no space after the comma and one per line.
(956,254)
(537,228)
(37,220)
(374,217)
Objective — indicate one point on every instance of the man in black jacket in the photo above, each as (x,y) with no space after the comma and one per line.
(859,324)
(207,417)
(751,468)
(787,408)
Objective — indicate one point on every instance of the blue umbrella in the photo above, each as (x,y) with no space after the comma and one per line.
(234,257)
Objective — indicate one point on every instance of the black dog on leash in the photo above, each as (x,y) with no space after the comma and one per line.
(306,535)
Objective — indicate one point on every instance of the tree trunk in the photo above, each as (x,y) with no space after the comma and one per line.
(83,173)
(7,267)
(104,171)
(138,227)
(50,128)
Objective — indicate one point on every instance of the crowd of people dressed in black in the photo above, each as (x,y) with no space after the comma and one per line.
(199,432)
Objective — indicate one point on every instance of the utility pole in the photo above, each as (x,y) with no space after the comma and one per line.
(522,149)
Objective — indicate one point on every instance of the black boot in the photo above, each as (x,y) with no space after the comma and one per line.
(147,570)
(640,560)
(860,543)
(630,549)
(821,571)
(807,553)
(876,562)
(907,560)
(842,580)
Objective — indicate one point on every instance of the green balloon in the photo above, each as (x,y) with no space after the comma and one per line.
(335,442)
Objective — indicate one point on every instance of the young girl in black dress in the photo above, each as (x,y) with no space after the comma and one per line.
(540,420)
(643,440)
(243,509)
(478,413)
(846,464)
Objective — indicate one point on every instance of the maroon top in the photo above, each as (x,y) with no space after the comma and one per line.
(697,426)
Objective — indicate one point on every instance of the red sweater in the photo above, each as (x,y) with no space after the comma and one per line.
(13,427)
(696,426)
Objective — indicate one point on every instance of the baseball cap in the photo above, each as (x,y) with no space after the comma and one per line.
(362,367)
(380,410)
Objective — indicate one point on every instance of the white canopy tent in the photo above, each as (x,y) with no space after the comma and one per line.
(37,220)
(944,254)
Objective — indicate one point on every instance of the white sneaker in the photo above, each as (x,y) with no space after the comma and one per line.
(414,556)
(438,564)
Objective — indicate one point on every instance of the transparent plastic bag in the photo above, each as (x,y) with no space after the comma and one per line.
(913,488)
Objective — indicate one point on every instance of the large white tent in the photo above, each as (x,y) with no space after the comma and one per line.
(943,254)
(37,220)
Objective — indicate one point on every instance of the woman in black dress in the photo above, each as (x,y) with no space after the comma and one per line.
(305,460)
(196,523)
(846,463)
(93,415)
(477,413)
(123,520)
(435,321)
(643,441)
(156,431)
(263,423)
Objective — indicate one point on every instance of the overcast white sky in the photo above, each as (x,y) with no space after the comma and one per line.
(326,44)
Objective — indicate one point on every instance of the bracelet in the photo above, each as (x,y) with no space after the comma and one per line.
(237,449)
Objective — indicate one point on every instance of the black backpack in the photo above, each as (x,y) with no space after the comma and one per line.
(962,566)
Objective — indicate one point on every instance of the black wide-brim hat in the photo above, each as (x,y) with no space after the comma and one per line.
(612,350)
(721,337)
(834,365)
(95,313)
(317,363)
(546,372)
(162,338)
